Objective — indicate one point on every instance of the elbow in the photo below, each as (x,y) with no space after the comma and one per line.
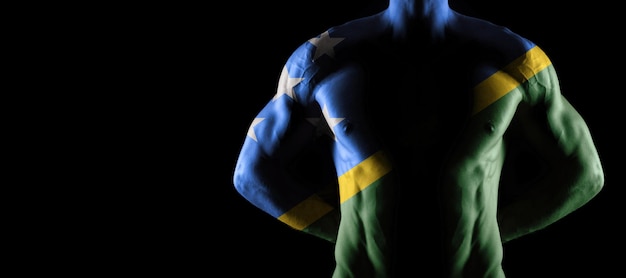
(238,182)
(594,177)
(241,179)
(597,180)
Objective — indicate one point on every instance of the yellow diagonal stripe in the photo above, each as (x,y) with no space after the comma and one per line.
(362,175)
(507,79)
(306,212)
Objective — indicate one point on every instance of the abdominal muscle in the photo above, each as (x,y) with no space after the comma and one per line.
(470,196)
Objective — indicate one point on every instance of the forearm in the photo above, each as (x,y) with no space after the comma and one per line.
(268,187)
(278,188)
(558,194)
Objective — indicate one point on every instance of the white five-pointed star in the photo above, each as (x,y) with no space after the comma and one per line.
(251,132)
(325,45)
(286,84)
(332,122)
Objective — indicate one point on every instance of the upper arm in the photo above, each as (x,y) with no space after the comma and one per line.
(556,130)
(549,120)
(283,125)
(559,142)
(281,135)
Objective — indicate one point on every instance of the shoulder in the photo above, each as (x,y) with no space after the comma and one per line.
(508,61)
(320,56)
(497,46)
(508,44)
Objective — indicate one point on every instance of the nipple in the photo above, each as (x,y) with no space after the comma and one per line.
(347,126)
(490,127)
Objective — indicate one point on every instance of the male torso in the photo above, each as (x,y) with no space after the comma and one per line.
(446,160)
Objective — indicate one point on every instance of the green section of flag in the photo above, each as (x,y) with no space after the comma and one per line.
(365,233)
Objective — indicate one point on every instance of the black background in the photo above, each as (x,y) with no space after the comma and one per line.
(203,72)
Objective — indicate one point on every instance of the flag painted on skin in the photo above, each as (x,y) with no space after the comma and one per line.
(367,174)
(307,209)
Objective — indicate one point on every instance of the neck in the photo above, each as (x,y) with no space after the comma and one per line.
(405,16)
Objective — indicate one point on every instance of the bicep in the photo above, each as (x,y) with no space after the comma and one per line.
(278,130)
(269,170)
(555,128)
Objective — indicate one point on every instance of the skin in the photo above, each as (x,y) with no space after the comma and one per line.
(402,95)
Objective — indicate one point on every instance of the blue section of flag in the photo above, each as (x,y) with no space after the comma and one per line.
(312,63)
